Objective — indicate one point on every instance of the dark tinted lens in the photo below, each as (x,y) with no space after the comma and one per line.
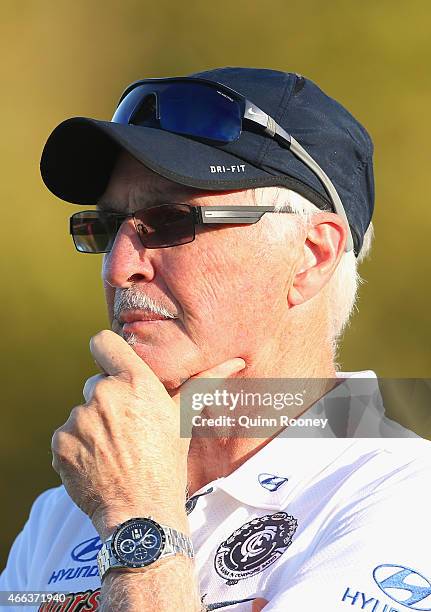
(93,232)
(165,225)
(146,112)
(192,109)
(131,103)
(198,110)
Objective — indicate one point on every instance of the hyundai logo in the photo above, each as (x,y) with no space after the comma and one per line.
(404,585)
(87,550)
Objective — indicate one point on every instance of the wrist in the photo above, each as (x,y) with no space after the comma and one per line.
(106,521)
(153,589)
(139,543)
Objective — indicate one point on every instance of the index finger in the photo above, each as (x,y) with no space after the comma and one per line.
(115,357)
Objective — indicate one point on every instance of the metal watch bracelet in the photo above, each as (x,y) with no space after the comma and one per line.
(175,543)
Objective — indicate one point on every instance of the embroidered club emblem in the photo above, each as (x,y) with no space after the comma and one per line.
(254,546)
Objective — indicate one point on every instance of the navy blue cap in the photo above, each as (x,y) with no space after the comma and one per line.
(80,154)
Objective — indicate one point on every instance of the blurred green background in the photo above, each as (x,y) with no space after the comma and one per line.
(61,59)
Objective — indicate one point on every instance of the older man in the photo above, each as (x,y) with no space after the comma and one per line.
(205,278)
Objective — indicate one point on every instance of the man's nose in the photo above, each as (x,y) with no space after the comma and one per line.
(129,261)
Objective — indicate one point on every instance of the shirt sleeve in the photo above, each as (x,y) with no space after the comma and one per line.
(373,554)
(15,575)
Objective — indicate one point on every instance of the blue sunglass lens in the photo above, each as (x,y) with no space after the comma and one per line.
(200,111)
(184,108)
(128,106)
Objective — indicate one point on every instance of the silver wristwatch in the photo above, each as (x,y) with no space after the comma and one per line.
(139,542)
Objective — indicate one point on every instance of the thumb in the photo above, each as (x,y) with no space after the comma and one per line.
(222,370)
(213,377)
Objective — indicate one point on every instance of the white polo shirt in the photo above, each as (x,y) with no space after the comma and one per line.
(321,524)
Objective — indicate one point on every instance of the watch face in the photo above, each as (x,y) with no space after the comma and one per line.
(138,542)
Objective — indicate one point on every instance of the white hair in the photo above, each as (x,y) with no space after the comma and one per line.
(343,287)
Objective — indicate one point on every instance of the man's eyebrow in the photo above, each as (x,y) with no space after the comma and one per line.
(154,194)
(108,207)
(152,197)
(115,207)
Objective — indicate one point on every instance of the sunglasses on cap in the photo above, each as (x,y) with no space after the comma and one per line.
(201,109)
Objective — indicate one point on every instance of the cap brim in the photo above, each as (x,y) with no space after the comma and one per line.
(80,154)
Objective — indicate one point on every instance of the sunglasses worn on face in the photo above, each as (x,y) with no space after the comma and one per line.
(209,111)
(158,227)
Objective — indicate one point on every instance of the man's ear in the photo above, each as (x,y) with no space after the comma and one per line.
(323,248)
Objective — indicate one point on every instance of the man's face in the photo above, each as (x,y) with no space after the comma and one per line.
(228,288)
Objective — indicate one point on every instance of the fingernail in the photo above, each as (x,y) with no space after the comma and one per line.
(234,365)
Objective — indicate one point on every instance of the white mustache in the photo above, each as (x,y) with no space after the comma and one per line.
(130,299)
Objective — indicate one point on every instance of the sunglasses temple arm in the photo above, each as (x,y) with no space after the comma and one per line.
(276,131)
(302,154)
(243,215)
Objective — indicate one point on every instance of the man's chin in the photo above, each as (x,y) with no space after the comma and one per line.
(160,361)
